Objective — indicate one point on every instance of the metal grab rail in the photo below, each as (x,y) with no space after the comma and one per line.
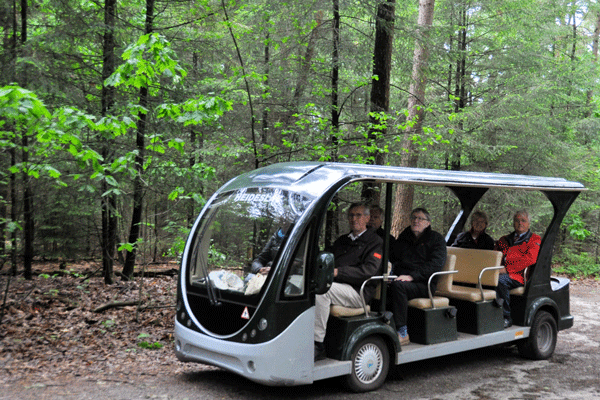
(479,285)
(429,283)
(362,288)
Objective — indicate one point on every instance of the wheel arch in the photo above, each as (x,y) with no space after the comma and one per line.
(542,304)
(384,331)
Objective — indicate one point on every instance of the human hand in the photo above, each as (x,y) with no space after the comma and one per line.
(404,278)
(264,270)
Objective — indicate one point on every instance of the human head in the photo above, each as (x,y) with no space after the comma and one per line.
(521,221)
(358,217)
(479,221)
(375,221)
(419,221)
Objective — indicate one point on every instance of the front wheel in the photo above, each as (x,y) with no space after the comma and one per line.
(370,365)
(542,339)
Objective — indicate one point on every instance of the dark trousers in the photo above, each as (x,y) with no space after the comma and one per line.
(505,285)
(399,293)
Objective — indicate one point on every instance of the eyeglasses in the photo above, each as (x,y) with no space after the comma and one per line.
(413,218)
(355,215)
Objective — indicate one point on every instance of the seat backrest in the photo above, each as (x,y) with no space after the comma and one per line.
(470,262)
(445,281)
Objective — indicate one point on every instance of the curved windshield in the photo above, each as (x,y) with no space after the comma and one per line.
(238,240)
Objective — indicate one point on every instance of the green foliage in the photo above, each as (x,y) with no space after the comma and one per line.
(148,60)
(146,345)
(577,265)
(109,323)
(576,227)
(150,346)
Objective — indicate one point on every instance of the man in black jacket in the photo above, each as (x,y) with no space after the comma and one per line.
(262,263)
(376,221)
(416,254)
(357,258)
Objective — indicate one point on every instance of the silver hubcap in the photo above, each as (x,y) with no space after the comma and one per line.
(368,363)
(544,337)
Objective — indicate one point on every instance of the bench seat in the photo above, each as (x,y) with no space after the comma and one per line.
(473,290)
(432,319)
(476,269)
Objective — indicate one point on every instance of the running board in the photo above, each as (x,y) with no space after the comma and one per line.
(464,342)
(329,368)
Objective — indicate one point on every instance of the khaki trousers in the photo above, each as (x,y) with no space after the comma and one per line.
(340,294)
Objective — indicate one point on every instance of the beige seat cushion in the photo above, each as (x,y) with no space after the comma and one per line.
(470,262)
(445,281)
(341,311)
(425,303)
(518,291)
(468,293)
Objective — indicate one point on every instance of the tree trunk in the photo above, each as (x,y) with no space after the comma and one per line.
(138,187)
(331,219)
(4,194)
(12,151)
(460,91)
(267,89)
(303,72)
(590,92)
(13,213)
(404,193)
(380,89)
(335,74)
(28,223)
(108,202)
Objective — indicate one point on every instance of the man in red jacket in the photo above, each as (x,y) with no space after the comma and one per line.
(519,250)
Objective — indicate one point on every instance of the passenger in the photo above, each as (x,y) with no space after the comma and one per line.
(357,258)
(376,221)
(262,263)
(519,250)
(418,252)
(476,237)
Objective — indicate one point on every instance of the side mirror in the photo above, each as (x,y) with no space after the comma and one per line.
(323,277)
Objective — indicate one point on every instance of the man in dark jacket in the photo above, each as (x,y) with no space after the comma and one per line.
(357,258)
(418,252)
(376,221)
(262,263)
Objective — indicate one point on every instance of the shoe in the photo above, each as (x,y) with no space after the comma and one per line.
(320,351)
(403,340)
(507,323)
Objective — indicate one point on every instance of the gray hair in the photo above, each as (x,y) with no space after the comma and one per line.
(524,213)
(363,205)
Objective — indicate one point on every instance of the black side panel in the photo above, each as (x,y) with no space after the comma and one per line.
(223,319)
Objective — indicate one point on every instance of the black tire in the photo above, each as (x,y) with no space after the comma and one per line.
(370,365)
(542,339)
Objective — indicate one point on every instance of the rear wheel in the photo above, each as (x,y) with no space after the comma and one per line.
(542,339)
(370,365)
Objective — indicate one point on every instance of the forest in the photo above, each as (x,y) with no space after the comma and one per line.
(118,120)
